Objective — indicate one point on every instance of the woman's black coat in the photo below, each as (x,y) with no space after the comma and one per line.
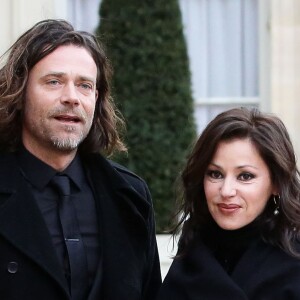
(263,273)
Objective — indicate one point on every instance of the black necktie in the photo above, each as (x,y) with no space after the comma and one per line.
(76,263)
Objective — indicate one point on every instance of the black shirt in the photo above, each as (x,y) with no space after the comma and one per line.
(38,175)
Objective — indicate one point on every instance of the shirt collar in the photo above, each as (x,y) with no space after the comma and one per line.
(39,173)
(75,171)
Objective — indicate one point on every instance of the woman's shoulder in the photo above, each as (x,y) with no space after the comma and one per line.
(268,261)
(268,270)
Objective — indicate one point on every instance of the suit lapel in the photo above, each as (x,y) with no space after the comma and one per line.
(21,222)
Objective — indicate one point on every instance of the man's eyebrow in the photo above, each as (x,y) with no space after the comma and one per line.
(56,74)
(87,78)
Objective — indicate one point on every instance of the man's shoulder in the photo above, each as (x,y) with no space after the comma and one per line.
(124,171)
(108,164)
(133,179)
(114,170)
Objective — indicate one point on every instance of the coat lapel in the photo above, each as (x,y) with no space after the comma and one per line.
(129,202)
(21,222)
(199,276)
(124,234)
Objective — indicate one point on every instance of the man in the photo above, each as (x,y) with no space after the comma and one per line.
(96,238)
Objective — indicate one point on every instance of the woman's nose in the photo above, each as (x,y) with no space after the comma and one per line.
(228,188)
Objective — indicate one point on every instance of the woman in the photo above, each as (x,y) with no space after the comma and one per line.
(240,213)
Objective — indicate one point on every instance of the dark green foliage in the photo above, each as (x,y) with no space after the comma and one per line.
(151,88)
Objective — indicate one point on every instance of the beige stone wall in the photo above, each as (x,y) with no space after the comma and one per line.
(285,65)
(16,16)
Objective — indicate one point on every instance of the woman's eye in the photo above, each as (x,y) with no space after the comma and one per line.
(246,176)
(214,174)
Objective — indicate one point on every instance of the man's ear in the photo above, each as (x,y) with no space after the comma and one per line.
(19,105)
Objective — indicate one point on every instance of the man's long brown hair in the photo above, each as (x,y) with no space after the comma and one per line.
(36,43)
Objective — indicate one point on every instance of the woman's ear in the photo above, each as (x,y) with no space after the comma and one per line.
(275,191)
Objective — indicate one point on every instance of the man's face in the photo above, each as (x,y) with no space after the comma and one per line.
(60,101)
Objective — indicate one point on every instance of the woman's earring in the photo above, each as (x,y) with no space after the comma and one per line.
(276,211)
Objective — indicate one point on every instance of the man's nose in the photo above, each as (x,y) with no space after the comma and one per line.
(70,95)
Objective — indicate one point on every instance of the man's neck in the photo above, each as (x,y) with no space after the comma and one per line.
(56,158)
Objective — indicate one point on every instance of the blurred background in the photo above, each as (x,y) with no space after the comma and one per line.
(177,64)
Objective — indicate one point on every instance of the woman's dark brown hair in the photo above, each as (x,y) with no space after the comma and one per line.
(36,43)
(270,137)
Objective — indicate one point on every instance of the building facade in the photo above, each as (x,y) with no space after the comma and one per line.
(242,52)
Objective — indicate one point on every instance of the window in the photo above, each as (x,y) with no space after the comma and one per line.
(223,45)
(84,14)
(222,41)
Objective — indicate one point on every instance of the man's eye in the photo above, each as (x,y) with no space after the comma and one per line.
(53,82)
(246,176)
(214,174)
(86,86)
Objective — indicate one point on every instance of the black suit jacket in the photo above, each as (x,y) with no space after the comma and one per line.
(129,267)
(263,273)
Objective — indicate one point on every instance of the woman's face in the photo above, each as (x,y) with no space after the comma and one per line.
(237,184)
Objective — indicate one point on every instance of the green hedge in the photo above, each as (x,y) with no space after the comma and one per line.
(151,88)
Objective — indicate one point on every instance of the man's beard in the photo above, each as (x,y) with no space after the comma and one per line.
(68,143)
